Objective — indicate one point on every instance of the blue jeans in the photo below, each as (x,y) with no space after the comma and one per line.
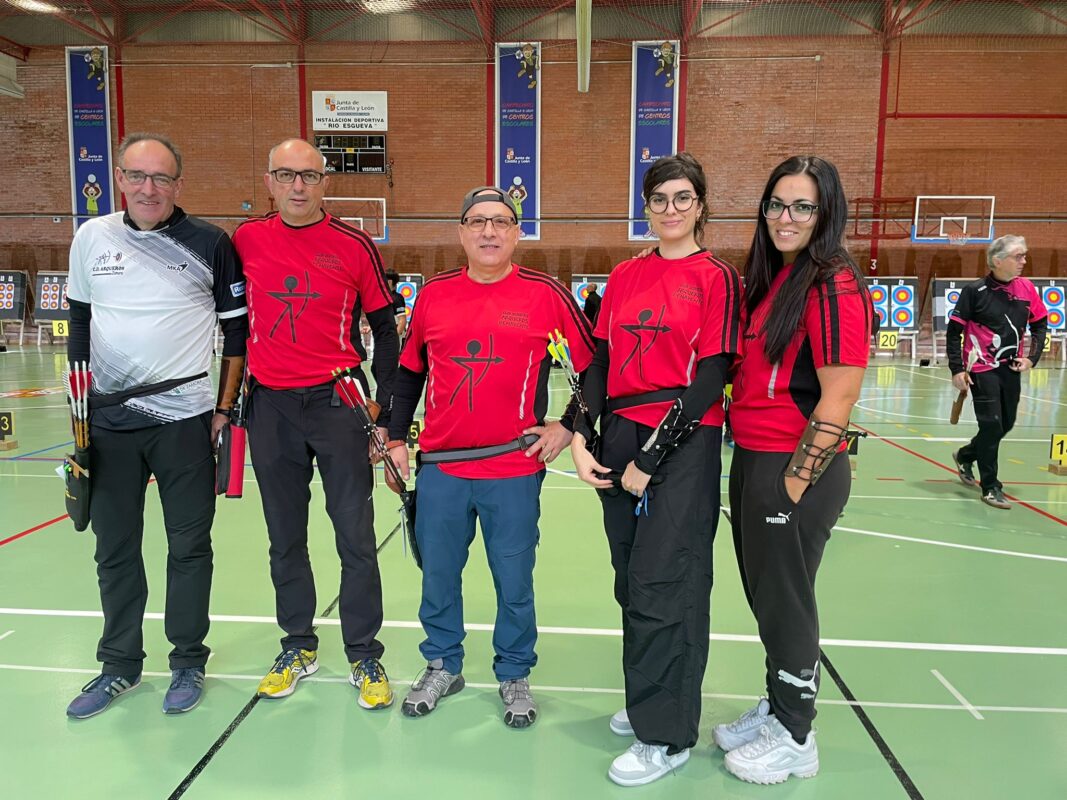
(508,509)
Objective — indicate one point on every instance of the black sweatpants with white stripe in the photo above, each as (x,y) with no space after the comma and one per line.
(663,576)
(779,546)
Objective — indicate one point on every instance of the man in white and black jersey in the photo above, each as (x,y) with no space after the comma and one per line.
(146,289)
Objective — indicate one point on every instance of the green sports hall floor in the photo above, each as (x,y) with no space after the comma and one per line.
(943,618)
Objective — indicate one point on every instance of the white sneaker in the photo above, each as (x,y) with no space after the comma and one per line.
(774,756)
(744,729)
(644,763)
(620,724)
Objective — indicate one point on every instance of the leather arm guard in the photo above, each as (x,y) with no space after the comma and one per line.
(809,460)
(673,429)
(230,374)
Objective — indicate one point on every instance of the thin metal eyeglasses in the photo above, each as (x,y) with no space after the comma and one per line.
(161,181)
(310,177)
(798,212)
(478,224)
(682,202)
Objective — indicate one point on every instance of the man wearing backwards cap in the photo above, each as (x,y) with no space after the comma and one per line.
(478,343)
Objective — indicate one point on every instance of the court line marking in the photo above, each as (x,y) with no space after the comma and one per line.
(879,741)
(953,545)
(221,676)
(5,635)
(939,465)
(957,694)
(34,529)
(949,380)
(944,647)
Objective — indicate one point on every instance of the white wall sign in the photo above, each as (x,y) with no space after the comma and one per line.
(350,111)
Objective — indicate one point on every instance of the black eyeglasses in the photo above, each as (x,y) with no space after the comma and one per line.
(682,202)
(798,212)
(478,224)
(136,177)
(309,176)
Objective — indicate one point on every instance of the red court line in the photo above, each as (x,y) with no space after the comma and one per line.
(939,465)
(35,528)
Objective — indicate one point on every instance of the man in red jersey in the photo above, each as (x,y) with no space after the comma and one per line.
(478,344)
(310,275)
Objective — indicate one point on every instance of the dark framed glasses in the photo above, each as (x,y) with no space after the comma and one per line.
(682,202)
(798,212)
(310,177)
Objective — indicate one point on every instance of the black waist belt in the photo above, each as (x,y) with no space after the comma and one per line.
(658,396)
(105,400)
(477,453)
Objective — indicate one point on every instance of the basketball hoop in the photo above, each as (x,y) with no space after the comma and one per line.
(958,238)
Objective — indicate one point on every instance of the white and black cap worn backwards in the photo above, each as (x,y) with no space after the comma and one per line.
(486,194)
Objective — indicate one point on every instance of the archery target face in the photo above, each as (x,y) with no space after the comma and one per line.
(902,306)
(952,296)
(880,297)
(1053,298)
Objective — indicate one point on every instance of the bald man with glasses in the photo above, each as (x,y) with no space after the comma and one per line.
(310,275)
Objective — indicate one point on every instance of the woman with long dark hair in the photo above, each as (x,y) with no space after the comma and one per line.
(807,330)
(666,336)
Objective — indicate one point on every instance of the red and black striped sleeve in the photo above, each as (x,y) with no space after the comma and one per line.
(374,290)
(720,331)
(839,319)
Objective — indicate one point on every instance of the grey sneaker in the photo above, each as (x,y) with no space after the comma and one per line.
(644,763)
(434,683)
(620,723)
(996,498)
(965,471)
(744,729)
(520,710)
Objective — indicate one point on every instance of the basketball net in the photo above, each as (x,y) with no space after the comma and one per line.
(958,238)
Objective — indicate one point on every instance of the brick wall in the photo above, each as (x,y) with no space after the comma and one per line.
(749,105)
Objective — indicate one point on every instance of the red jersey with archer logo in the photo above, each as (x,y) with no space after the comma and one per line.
(772,402)
(660,317)
(484,347)
(306,287)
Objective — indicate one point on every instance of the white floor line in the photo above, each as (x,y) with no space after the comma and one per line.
(564,474)
(574,690)
(949,380)
(953,545)
(955,693)
(944,647)
(5,635)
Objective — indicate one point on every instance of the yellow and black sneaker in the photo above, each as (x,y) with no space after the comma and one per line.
(369,678)
(292,665)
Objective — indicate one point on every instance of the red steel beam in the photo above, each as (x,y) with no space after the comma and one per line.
(22,52)
(968,115)
(726,19)
(879,147)
(100,21)
(357,12)
(485,14)
(282,27)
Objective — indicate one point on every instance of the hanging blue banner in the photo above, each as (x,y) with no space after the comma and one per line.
(653,120)
(518,130)
(89,126)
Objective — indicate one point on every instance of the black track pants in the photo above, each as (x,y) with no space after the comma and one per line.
(996,399)
(179,455)
(287,429)
(779,546)
(663,576)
